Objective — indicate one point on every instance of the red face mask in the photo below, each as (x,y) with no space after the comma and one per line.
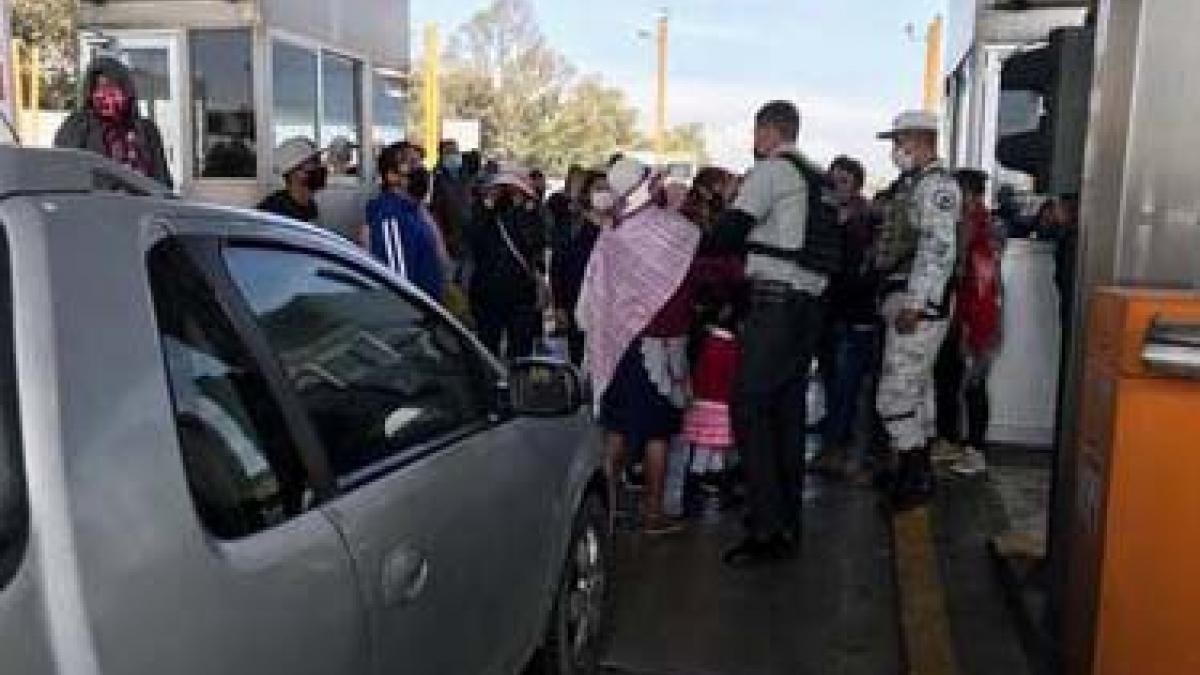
(110,102)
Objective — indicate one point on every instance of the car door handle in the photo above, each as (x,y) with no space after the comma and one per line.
(405,576)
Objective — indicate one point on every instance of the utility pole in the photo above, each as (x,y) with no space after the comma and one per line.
(660,111)
(933,65)
(432,95)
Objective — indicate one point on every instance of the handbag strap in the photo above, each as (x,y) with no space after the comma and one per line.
(516,253)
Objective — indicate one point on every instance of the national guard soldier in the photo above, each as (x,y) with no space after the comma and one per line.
(917,254)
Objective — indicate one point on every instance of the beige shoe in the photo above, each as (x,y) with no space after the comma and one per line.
(945,452)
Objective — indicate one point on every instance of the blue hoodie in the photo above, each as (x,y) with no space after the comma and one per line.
(401,239)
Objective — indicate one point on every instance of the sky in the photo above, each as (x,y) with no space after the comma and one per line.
(850,65)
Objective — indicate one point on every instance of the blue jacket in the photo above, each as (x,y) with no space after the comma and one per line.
(401,238)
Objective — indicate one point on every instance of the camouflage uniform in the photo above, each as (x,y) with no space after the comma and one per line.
(918,253)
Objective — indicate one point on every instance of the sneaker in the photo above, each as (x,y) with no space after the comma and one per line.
(972,463)
(945,452)
(661,526)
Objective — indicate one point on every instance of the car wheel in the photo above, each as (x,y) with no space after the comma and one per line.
(579,622)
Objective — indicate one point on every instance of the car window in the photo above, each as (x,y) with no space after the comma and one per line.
(14,511)
(380,375)
(241,462)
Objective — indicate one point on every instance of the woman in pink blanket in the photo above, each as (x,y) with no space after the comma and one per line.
(636,310)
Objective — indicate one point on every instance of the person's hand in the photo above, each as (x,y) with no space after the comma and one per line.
(907,320)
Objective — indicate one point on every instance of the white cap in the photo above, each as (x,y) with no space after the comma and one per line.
(292,153)
(913,120)
(626,175)
(340,150)
(512,176)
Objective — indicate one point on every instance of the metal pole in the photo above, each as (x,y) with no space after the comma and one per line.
(432,95)
(18,80)
(933,65)
(660,116)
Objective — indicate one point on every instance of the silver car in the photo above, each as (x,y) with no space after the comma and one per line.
(233,444)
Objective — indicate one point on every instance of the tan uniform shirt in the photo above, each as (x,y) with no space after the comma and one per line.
(776,196)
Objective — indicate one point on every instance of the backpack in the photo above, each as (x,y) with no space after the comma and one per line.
(824,248)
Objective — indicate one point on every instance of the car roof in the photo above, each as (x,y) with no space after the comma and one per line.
(28,172)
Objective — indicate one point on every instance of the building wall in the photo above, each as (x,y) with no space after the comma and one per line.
(378,27)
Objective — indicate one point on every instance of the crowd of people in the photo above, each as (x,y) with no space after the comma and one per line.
(702,314)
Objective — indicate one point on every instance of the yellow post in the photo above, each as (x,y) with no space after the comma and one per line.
(660,112)
(933,65)
(18,89)
(35,92)
(432,95)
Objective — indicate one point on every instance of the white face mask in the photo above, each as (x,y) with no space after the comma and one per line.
(903,159)
(603,201)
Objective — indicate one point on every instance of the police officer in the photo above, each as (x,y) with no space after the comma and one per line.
(917,254)
(768,222)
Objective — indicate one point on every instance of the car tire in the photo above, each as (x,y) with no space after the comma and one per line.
(580,621)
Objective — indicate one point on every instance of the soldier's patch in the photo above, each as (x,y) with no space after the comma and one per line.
(945,200)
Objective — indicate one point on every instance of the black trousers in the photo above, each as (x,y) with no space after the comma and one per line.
(515,327)
(948,375)
(955,387)
(781,334)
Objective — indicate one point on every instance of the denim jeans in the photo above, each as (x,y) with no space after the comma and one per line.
(852,355)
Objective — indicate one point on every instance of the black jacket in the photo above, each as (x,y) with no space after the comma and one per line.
(83,130)
(499,279)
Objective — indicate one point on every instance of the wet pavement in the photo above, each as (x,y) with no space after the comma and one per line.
(679,610)
(834,611)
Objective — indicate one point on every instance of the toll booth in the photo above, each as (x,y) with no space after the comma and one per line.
(1130,520)
(980,37)
(228,80)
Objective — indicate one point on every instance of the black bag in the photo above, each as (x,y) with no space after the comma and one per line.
(824,248)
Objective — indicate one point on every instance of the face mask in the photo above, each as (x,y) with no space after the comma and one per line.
(903,160)
(603,201)
(110,102)
(317,179)
(453,162)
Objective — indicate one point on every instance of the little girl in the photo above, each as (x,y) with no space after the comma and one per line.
(707,426)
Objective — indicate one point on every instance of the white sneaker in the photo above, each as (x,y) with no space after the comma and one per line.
(945,452)
(972,463)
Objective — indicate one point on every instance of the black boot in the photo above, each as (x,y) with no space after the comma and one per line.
(914,482)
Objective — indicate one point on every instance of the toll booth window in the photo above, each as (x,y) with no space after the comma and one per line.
(341,110)
(294,71)
(390,110)
(223,104)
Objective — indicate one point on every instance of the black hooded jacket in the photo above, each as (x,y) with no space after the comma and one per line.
(83,130)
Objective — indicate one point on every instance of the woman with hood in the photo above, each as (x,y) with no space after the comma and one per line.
(106,121)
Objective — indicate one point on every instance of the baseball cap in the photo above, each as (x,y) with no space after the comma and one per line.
(913,120)
(292,153)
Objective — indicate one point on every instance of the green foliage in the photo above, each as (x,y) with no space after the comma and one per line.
(533,107)
(51,25)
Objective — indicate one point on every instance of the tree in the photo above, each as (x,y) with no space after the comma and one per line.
(684,139)
(533,108)
(50,24)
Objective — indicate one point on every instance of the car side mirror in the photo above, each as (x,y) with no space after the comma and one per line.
(545,387)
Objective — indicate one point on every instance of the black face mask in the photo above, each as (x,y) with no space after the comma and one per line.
(317,179)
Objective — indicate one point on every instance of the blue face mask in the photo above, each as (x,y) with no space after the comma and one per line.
(453,162)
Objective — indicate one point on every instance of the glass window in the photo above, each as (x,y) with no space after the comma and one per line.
(390,111)
(223,104)
(151,71)
(341,106)
(241,464)
(294,73)
(14,511)
(380,376)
